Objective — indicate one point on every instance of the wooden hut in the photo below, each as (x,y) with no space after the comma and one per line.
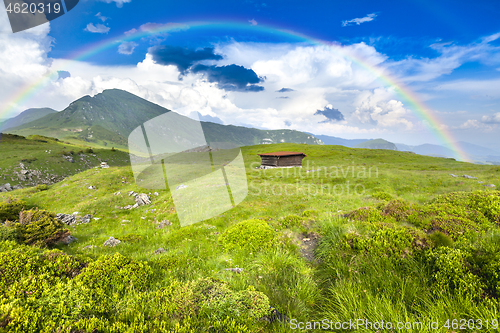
(282,159)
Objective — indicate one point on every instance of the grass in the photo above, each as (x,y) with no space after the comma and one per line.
(343,282)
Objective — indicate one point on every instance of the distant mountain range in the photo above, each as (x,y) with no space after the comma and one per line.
(25,117)
(108,118)
(377,144)
(476,153)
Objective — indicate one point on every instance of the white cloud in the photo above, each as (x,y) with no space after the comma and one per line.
(380,109)
(119,3)
(127,48)
(101,17)
(252,22)
(450,57)
(493,119)
(23,60)
(98,28)
(358,21)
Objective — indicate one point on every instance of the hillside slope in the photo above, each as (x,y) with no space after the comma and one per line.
(25,117)
(377,144)
(108,118)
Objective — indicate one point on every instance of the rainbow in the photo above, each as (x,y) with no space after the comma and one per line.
(418,107)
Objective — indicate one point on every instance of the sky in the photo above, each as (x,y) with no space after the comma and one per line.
(412,71)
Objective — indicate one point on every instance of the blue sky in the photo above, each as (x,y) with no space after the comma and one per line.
(447,53)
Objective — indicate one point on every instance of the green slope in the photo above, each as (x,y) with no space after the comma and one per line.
(108,118)
(25,117)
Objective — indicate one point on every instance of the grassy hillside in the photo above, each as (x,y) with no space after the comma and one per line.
(327,240)
(25,117)
(45,158)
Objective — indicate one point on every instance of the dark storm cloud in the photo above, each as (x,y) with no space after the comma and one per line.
(231,77)
(283,90)
(331,114)
(181,57)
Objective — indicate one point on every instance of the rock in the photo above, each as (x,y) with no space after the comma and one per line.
(104,165)
(89,247)
(21,165)
(66,218)
(156,194)
(86,219)
(69,158)
(68,240)
(142,199)
(92,187)
(17,187)
(163,224)
(236,270)
(111,242)
(128,207)
(490,185)
(453,175)
(73,219)
(158,251)
(117,193)
(469,177)
(5,188)
(181,187)
(480,182)
(132,193)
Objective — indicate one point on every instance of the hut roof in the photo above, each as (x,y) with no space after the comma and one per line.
(282,153)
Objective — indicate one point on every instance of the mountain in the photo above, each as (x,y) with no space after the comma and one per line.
(108,118)
(476,150)
(25,117)
(333,140)
(377,144)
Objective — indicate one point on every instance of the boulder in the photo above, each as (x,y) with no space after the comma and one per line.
(236,270)
(163,224)
(142,199)
(111,242)
(158,251)
(68,240)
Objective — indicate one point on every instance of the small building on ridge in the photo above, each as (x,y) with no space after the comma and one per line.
(282,159)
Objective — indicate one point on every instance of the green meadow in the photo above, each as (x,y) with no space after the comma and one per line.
(355,235)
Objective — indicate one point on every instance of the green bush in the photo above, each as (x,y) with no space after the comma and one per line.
(291,221)
(42,187)
(399,209)
(368,214)
(440,239)
(485,202)
(452,271)
(453,220)
(40,228)
(250,234)
(9,210)
(309,213)
(398,242)
(7,233)
(89,150)
(382,196)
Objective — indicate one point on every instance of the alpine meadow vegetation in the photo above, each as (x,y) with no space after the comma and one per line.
(376,235)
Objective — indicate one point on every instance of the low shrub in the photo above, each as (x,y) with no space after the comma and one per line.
(384,196)
(40,228)
(440,239)
(398,242)
(485,202)
(42,187)
(368,214)
(291,221)
(250,234)
(9,210)
(452,271)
